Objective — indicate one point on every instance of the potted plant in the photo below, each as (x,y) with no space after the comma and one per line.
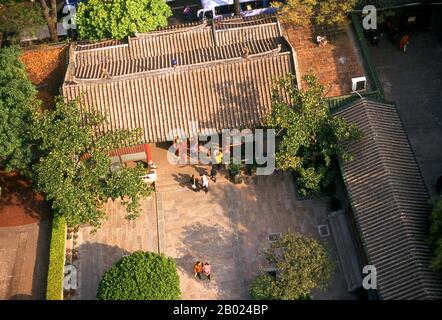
(235,172)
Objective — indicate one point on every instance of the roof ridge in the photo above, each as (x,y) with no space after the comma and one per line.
(263,55)
(171,30)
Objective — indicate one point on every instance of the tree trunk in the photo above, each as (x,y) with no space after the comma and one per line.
(237,8)
(51,18)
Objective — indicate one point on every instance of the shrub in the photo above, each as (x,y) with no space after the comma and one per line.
(263,288)
(141,276)
(56,260)
(234,169)
(302,263)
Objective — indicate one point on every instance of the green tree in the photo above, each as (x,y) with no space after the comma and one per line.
(302,264)
(17,16)
(17,95)
(322,12)
(74,166)
(311,135)
(436,236)
(117,19)
(141,276)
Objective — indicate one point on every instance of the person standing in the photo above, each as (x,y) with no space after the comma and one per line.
(213,173)
(204,182)
(197,269)
(207,269)
(405,40)
(194,183)
(186,13)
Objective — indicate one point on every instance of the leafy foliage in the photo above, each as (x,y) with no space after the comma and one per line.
(311,136)
(302,264)
(263,287)
(17,94)
(322,12)
(141,276)
(56,260)
(97,19)
(74,167)
(16,16)
(436,236)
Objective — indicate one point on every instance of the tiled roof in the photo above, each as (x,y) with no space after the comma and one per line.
(216,81)
(390,202)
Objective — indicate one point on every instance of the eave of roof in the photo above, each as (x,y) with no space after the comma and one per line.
(390,202)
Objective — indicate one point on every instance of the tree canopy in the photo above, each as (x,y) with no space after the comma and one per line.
(19,15)
(17,94)
(74,166)
(302,264)
(117,19)
(322,12)
(311,135)
(436,236)
(141,276)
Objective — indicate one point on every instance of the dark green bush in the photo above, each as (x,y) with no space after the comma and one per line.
(54,289)
(263,287)
(141,276)
(234,169)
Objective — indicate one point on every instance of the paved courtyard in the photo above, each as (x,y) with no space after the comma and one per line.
(414,81)
(229,227)
(117,237)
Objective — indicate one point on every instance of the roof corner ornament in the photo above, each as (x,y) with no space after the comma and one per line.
(245,52)
(105,74)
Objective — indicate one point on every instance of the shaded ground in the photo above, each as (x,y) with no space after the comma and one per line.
(19,203)
(46,68)
(335,63)
(229,227)
(24,240)
(414,82)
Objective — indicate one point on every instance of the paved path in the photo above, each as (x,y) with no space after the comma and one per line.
(24,260)
(117,237)
(414,82)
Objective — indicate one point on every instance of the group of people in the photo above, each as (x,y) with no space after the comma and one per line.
(200,267)
(197,185)
(398,38)
(203,182)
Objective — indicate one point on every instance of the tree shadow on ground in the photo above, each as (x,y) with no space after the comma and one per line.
(19,203)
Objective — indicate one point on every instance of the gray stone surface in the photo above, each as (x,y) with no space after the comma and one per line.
(414,82)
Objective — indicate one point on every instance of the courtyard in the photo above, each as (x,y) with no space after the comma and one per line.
(228,227)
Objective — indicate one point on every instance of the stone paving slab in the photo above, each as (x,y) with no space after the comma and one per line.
(116,238)
(24,260)
(414,82)
(229,228)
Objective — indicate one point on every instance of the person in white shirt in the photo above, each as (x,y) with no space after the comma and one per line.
(204,182)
